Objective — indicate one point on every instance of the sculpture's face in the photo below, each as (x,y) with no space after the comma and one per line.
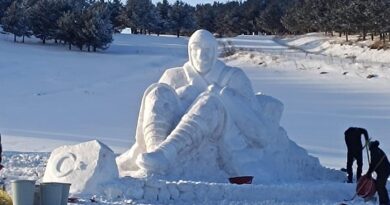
(202,57)
(202,51)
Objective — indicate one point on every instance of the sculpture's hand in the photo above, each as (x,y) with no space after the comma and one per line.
(214,88)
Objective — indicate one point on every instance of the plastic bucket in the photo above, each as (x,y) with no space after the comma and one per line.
(65,193)
(37,195)
(23,192)
(51,193)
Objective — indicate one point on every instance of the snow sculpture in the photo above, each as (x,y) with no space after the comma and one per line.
(203,121)
(85,166)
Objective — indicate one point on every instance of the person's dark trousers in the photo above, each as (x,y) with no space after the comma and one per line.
(380,184)
(351,156)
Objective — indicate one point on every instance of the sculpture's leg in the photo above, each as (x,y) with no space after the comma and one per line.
(161,112)
(205,118)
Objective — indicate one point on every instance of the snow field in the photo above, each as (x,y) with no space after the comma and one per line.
(96,102)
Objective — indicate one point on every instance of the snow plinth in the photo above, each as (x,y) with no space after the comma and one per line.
(184,192)
(173,191)
(151,193)
(85,166)
(135,190)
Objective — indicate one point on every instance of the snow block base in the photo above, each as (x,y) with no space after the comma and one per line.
(158,191)
(85,166)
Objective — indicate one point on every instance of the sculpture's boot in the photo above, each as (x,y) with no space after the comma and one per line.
(161,112)
(205,118)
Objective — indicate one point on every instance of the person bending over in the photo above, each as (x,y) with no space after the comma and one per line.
(355,150)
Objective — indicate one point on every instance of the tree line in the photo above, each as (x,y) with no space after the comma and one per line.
(343,16)
(82,23)
(266,16)
(90,23)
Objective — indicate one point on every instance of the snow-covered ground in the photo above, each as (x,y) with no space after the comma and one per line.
(51,96)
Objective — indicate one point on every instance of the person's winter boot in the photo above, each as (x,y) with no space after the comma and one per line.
(349,179)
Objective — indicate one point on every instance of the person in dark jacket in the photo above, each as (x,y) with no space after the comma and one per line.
(381,166)
(1,153)
(355,150)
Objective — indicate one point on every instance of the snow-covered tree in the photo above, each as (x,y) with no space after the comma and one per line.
(140,14)
(97,29)
(162,23)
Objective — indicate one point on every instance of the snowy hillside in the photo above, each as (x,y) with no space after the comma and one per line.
(51,96)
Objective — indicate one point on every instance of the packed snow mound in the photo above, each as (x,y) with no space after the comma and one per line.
(203,122)
(312,42)
(357,50)
(85,166)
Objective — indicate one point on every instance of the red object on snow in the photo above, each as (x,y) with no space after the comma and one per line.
(241,180)
(365,187)
(73,200)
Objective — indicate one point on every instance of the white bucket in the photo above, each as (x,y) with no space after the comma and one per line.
(65,193)
(23,192)
(51,193)
(37,195)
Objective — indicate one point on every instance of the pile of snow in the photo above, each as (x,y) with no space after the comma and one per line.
(315,53)
(337,46)
(312,42)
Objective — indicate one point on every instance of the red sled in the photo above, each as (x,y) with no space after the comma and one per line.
(241,180)
(365,187)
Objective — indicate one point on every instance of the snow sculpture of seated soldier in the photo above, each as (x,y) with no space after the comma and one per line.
(203,100)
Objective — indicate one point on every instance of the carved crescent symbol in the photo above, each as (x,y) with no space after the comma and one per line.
(67,159)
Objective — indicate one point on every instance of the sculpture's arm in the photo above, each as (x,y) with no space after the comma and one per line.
(245,117)
(242,86)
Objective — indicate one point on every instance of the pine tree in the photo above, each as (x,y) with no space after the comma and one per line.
(42,20)
(181,17)
(299,18)
(70,25)
(140,14)
(205,17)
(15,20)
(4,4)
(115,7)
(157,25)
(251,10)
(163,9)
(270,19)
(97,29)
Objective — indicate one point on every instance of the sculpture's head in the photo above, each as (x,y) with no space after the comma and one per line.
(202,51)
